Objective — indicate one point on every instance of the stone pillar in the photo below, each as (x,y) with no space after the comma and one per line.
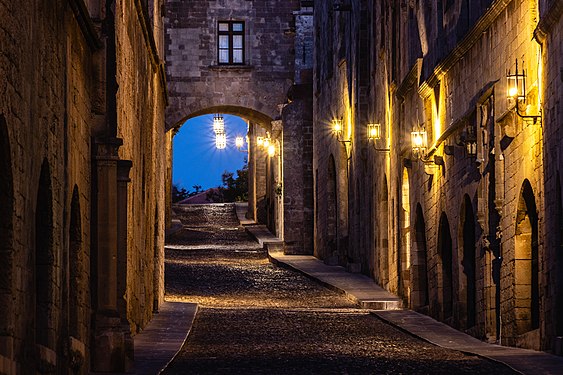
(298,171)
(108,352)
(252,149)
(123,168)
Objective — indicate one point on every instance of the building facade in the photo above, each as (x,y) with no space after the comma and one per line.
(453,200)
(252,59)
(83,171)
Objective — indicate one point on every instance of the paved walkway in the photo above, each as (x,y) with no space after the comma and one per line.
(158,344)
(367,294)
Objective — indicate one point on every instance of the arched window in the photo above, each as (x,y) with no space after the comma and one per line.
(44,260)
(526,267)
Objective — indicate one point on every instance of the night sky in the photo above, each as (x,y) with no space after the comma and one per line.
(197,161)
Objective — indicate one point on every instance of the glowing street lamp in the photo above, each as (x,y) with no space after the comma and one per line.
(374,131)
(239,142)
(218,124)
(516,92)
(337,126)
(418,143)
(272,150)
(221,141)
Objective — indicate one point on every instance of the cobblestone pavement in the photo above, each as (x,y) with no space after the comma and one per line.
(256,318)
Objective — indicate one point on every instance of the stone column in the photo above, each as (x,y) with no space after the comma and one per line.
(298,171)
(108,352)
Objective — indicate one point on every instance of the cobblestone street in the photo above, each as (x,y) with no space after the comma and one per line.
(257,318)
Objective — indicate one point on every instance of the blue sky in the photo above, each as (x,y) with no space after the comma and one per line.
(196,161)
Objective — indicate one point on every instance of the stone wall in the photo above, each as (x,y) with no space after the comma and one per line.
(460,237)
(253,90)
(53,72)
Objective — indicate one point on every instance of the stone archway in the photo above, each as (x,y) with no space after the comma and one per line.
(44,261)
(526,265)
(445,249)
(6,236)
(468,287)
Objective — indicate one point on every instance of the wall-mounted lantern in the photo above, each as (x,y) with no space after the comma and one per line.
(374,134)
(337,130)
(471,142)
(337,127)
(516,92)
(419,143)
(260,141)
(374,131)
(272,150)
(239,143)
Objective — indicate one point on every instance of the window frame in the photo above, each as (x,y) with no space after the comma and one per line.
(230,33)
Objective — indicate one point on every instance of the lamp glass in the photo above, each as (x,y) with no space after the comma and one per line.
(239,141)
(337,125)
(516,85)
(218,124)
(260,141)
(266,142)
(271,150)
(418,141)
(374,131)
(220,141)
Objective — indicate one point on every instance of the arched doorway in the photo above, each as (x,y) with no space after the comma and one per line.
(384,234)
(419,296)
(526,266)
(44,260)
(331,217)
(468,288)
(445,254)
(6,233)
(77,283)
(559,260)
(405,256)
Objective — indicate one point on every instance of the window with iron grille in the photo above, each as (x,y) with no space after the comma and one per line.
(231,42)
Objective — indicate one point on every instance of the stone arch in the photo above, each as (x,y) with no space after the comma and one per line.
(384,233)
(445,248)
(405,256)
(526,265)
(332,211)
(468,286)
(6,232)
(44,260)
(248,113)
(77,284)
(559,260)
(419,294)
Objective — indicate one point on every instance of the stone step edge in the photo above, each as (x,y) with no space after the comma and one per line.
(371,304)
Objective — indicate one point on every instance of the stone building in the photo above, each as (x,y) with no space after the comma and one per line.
(453,199)
(252,59)
(82,187)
